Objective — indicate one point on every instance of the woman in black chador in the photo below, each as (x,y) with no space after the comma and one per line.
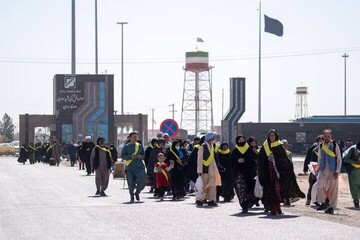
(226,190)
(276,174)
(178,155)
(244,166)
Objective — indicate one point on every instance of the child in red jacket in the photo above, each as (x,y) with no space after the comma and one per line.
(162,177)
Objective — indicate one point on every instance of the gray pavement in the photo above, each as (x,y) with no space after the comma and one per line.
(43,202)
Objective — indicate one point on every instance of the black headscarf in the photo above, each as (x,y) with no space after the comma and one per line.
(223,144)
(99,139)
(173,145)
(252,139)
(161,140)
(237,139)
(154,141)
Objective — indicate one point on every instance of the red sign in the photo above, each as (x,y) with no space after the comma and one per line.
(170,127)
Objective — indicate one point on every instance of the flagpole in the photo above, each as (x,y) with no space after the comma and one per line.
(259,101)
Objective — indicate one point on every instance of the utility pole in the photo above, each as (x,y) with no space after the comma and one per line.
(173,110)
(122,65)
(345,56)
(152,119)
(96,41)
(73,42)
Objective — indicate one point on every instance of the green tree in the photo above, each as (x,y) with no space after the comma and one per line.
(7,127)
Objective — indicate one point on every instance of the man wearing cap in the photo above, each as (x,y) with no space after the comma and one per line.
(159,135)
(208,171)
(133,153)
(167,141)
(352,163)
(101,162)
(87,147)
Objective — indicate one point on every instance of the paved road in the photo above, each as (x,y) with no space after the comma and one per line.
(43,202)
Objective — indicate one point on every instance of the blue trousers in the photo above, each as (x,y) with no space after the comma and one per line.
(135,180)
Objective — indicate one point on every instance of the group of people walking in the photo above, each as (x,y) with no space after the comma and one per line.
(179,167)
(47,153)
(326,161)
(176,167)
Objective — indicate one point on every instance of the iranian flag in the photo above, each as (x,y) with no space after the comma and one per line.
(197,61)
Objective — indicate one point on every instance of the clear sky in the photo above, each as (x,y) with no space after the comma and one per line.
(35,44)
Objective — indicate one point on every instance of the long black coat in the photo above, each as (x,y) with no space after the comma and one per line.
(178,172)
(191,172)
(226,171)
(289,187)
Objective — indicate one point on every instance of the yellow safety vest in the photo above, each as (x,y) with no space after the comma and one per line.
(328,151)
(50,147)
(273,144)
(177,157)
(104,149)
(127,162)
(224,151)
(243,149)
(32,147)
(163,171)
(210,158)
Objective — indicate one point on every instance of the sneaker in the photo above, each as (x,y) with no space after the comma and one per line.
(317,204)
(244,211)
(321,207)
(279,212)
(307,202)
(137,197)
(103,194)
(161,199)
(212,204)
(356,205)
(132,200)
(198,203)
(97,192)
(330,210)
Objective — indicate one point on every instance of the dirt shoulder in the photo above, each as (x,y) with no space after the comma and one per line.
(345,213)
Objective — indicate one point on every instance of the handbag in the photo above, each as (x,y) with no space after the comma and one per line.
(258,189)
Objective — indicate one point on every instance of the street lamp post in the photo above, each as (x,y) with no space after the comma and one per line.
(122,66)
(96,41)
(345,56)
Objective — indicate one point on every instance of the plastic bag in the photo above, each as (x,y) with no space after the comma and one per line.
(198,188)
(314,192)
(258,190)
